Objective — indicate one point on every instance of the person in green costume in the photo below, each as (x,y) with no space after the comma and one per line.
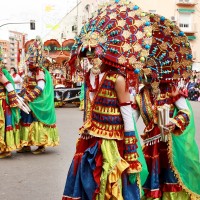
(38,128)
(170,150)
(9,113)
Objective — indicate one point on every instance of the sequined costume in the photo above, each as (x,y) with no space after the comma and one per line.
(9,115)
(150,49)
(35,129)
(38,128)
(101,163)
(162,182)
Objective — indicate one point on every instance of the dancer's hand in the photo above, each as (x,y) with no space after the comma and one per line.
(22,105)
(169,128)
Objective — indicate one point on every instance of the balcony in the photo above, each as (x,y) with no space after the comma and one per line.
(188,28)
(191,37)
(186,2)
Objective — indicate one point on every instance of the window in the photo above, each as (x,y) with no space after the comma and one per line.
(184,25)
(74,28)
(185,21)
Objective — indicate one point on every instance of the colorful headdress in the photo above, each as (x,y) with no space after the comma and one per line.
(34,54)
(132,40)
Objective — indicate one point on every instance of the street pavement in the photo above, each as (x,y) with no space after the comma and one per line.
(42,177)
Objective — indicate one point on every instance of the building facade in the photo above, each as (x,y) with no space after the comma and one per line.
(6,52)
(185,13)
(17,41)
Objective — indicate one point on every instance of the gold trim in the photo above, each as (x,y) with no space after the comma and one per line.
(193,195)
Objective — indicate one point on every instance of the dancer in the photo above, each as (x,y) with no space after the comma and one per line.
(170,149)
(38,128)
(9,113)
(154,49)
(108,162)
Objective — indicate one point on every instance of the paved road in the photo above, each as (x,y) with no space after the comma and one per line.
(42,177)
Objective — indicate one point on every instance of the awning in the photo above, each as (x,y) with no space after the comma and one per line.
(186,10)
(191,37)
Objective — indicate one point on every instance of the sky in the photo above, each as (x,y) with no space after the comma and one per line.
(46,13)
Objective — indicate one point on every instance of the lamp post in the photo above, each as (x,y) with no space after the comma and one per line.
(32,24)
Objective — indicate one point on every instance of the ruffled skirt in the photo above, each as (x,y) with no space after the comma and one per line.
(161,184)
(9,135)
(98,171)
(36,133)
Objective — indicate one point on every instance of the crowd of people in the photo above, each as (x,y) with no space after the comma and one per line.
(193,87)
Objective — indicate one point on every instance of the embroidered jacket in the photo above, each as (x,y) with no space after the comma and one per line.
(148,110)
(104,118)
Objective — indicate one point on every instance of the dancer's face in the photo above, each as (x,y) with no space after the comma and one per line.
(95,61)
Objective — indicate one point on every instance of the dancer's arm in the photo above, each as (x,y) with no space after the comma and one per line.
(36,92)
(130,140)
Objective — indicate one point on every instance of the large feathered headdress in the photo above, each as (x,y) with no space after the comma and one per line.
(136,42)
(34,54)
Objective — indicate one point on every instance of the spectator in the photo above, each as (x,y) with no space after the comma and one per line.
(17,79)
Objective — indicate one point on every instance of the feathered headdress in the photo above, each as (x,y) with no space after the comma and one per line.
(136,42)
(34,54)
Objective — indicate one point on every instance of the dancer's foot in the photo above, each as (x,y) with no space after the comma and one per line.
(24,149)
(5,154)
(39,150)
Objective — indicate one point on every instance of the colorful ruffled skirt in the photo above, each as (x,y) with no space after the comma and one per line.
(161,182)
(9,135)
(36,133)
(98,171)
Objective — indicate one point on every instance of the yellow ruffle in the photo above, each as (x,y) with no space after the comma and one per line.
(38,134)
(9,140)
(102,131)
(114,185)
(113,167)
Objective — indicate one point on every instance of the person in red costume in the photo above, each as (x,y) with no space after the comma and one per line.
(10,103)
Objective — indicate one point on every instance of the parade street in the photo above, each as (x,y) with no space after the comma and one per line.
(42,177)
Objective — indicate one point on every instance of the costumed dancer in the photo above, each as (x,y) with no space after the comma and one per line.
(108,161)
(170,149)
(9,114)
(38,128)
